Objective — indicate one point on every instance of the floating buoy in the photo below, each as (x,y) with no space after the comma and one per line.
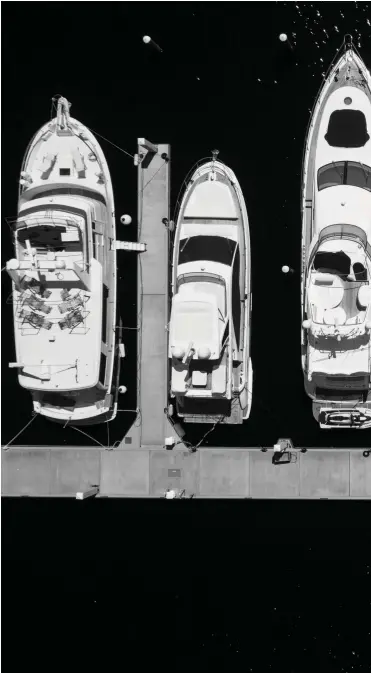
(178,353)
(283,37)
(204,353)
(287,269)
(13,264)
(122,390)
(306,324)
(125,219)
(148,40)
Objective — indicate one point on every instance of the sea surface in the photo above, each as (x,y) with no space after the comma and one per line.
(131,586)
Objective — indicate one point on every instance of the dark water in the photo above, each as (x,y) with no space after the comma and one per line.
(224,80)
(211,586)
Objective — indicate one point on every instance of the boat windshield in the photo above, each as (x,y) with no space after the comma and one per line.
(351,173)
(211,248)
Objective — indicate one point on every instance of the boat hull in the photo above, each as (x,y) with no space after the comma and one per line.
(347,88)
(65,179)
(212,216)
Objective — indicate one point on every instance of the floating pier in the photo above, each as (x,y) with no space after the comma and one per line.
(151,456)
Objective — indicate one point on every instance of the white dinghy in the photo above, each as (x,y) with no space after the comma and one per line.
(64,274)
(209,332)
(336,247)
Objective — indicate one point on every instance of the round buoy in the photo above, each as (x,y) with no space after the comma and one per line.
(178,353)
(13,264)
(122,390)
(60,264)
(204,353)
(283,37)
(125,219)
(148,40)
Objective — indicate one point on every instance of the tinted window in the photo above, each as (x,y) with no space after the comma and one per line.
(344,173)
(358,175)
(347,128)
(104,312)
(95,246)
(212,248)
(58,400)
(331,175)
(102,368)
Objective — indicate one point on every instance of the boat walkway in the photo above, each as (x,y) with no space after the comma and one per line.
(225,472)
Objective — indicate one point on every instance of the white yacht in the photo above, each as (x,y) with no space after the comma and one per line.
(209,331)
(336,247)
(64,274)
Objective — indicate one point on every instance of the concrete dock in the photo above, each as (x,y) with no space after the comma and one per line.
(339,474)
(139,465)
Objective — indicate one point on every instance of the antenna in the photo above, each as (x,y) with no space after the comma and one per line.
(215,154)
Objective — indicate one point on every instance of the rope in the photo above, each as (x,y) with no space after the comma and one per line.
(87,435)
(110,142)
(5,448)
(147,183)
